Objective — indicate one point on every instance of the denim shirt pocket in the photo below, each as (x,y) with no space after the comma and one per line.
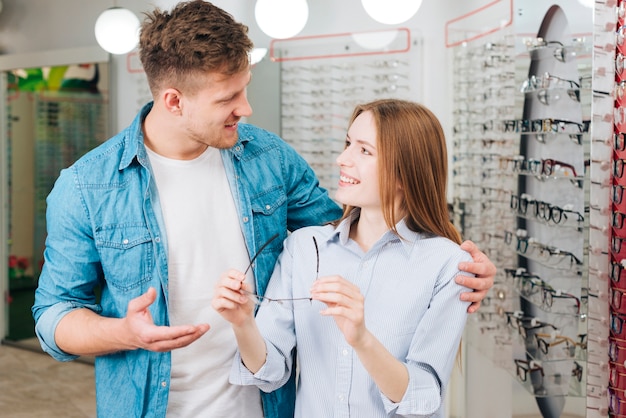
(269,211)
(126,253)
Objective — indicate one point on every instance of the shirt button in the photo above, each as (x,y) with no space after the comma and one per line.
(125,242)
(164,384)
(237,148)
(341,398)
(157,239)
(344,351)
(268,207)
(245,219)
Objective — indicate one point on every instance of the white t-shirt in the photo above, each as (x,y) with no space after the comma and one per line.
(204,239)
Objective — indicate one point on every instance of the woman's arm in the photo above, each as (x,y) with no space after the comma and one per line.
(238,309)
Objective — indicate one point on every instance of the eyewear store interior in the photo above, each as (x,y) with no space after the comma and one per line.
(534,108)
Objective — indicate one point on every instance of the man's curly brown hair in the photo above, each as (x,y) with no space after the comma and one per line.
(195,38)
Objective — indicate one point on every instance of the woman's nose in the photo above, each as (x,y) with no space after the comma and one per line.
(342,159)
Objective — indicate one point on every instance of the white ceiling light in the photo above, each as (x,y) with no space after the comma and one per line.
(257,55)
(281,19)
(117,30)
(375,40)
(391,12)
(587,3)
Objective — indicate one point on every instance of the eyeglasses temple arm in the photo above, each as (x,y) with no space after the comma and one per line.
(272,238)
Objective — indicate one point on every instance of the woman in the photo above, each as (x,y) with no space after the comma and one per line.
(381,320)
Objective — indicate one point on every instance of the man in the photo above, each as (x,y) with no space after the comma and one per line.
(152,218)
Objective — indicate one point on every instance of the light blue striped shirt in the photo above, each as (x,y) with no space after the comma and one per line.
(412,306)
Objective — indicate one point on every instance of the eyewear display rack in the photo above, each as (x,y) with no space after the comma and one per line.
(532,160)
(606,272)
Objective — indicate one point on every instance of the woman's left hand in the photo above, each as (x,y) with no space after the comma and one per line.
(344,303)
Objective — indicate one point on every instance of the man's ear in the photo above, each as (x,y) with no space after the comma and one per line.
(172,101)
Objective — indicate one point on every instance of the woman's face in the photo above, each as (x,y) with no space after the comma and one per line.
(358,165)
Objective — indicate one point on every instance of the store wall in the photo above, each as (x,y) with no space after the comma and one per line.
(38,25)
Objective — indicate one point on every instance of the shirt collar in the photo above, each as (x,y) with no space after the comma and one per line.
(409,237)
(133,139)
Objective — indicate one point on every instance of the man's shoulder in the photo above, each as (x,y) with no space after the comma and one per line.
(105,158)
(258,137)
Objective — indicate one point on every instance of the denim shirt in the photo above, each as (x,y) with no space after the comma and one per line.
(105,230)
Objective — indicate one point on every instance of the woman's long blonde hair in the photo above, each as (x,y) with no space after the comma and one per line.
(413,161)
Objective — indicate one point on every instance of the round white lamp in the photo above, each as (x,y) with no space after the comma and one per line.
(257,54)
(117,30)
(375,40)
(391,12)
(281,19)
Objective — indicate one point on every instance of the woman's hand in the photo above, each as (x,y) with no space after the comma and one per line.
(230,299)
(344,303)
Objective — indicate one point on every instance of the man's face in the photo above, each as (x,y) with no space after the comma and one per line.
(210,115)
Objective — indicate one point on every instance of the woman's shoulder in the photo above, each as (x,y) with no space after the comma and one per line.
(444,247)
(307,233)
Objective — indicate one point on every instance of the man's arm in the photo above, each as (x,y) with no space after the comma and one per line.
(84,332)
(484,271)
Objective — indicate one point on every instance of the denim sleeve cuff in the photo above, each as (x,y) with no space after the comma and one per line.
(422,397)
(46,327)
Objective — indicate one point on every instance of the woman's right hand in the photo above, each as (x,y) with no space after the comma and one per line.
(229,300)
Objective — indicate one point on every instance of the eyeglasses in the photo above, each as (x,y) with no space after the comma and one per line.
(557,214)
(547,81)
(524,368)
(617,193)
(549,125)
(577,371)
(520,203)
(617,219)
(616,244)
(617,324)
(550,294)
(617,297)
(522,240)
(562,53)
(523,324)
(545,341)
(619,144)
(616,272)
(552,253)
(617,403)
(617,350)
(617,378)
(287,303)
(618,168)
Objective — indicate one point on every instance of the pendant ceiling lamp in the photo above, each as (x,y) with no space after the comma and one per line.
(375,40)
(391,12)
(257,55)
(281,19)
(117,30)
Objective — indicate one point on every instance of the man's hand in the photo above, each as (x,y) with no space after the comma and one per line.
(483,269)
(149,336)
(85,333)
